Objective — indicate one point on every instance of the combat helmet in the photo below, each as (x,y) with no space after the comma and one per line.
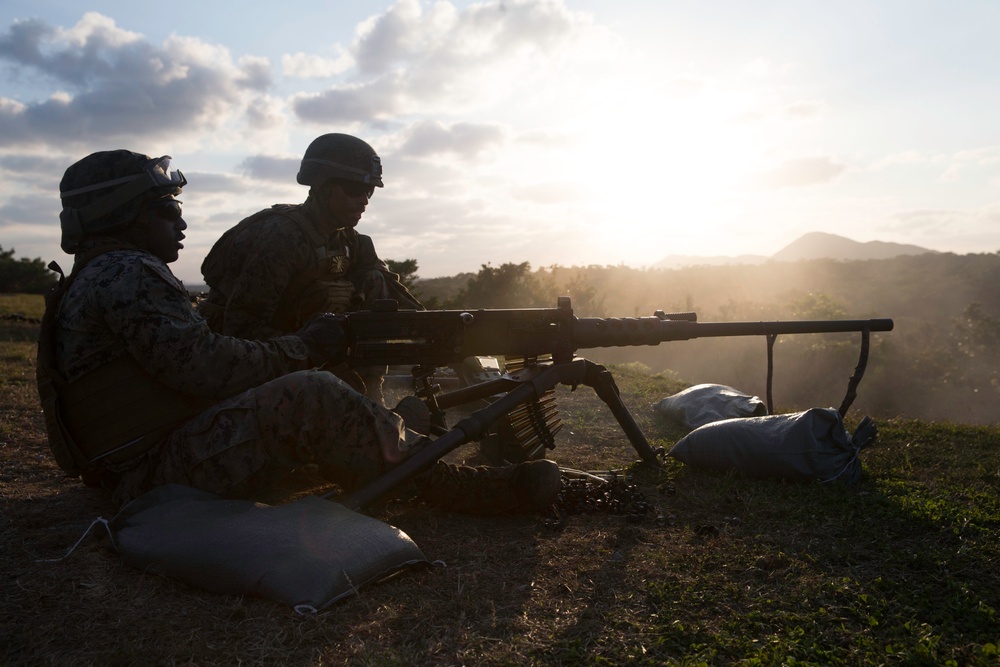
(340,156)
(104,191)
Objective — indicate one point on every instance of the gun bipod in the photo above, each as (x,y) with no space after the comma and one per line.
(527,384)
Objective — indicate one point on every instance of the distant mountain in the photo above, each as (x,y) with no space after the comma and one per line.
(814,245)
(819,245)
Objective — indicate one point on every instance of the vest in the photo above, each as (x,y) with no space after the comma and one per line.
(347,255)
(288,317)
(110,415)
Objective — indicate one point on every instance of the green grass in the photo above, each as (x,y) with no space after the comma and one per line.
(29,305)
(19,317)
(899,569)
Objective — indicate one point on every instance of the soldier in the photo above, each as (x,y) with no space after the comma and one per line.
(277,268)
(137,391)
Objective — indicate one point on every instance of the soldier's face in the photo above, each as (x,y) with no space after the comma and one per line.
(160,229)
(347,202)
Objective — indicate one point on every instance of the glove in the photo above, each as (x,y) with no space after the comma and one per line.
(325,337)
(338,298)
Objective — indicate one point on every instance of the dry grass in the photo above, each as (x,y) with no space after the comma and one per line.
(898,570)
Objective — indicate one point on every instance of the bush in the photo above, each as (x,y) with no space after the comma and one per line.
(27,276)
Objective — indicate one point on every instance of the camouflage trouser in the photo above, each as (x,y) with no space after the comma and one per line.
(251,440)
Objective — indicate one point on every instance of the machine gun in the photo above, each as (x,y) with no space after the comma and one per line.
(539,345)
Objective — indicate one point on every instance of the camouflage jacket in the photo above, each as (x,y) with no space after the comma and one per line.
(265,274)
(127,302)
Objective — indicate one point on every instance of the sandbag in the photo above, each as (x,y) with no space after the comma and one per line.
(307,554)
(812,445)
(706,403)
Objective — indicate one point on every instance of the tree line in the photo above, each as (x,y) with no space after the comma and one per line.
(23,275)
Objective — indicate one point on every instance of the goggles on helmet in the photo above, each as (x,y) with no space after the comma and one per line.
(156,174)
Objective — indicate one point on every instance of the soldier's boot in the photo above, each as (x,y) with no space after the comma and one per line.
(513,489)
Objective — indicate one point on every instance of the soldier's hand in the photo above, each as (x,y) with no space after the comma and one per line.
(325,337)
(338,295)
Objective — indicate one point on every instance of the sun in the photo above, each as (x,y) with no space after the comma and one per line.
(660,167)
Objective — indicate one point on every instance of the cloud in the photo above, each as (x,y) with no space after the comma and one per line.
(265,114)
(960,166)
(427,138)
(758,67)
(254,72)
(29,210)
(266,168)
(799,110)
(73,56)
(445,61)
(214,183)
(804,109)
(688,85)
(914,220)
(952,174)
(801,172)
(420,177)
(30,167)
(551,193)
(906,158)
(954,230)
(379,100)
(118,86)
(954,221)
(397,35)
(305,66)
(762,68)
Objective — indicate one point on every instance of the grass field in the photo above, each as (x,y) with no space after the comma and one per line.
(900,569)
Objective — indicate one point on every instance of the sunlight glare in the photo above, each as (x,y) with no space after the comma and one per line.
(657,164)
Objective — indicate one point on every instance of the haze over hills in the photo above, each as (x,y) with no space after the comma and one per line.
(814,245)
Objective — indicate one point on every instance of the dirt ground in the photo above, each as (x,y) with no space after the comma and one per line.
(497,578)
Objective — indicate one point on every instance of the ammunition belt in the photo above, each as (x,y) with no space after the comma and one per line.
(590,494)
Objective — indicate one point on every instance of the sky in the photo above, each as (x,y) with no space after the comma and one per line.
(556,132)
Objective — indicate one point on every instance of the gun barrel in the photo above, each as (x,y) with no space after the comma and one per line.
(437,338)
(614,332)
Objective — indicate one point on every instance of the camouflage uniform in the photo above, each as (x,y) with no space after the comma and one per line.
(267,276)
(269,413)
